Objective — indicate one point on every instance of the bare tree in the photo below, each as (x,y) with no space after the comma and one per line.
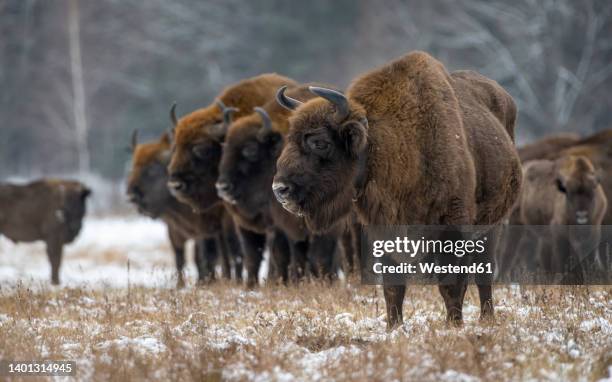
(78,88)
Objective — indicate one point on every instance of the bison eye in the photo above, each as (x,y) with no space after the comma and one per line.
(250,152)
(201,152)
(318,144)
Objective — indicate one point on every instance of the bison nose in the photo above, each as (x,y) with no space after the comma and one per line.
(223,187)
(177,185)
(281,190)
(582,217)
(134,194)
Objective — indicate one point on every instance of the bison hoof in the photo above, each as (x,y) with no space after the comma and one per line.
(180,284)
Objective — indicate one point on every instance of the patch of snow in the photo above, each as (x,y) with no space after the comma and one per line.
(597,324)
(143,344)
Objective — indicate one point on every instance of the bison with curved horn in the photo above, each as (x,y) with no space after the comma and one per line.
(409,143)
(197,147)
(213,230)
(248,164)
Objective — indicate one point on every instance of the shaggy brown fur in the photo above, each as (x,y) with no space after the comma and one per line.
(548,144)
(197,151)
(437,150)
(198,137)
(560,193)
(50,210)
(247,167)
(148,190)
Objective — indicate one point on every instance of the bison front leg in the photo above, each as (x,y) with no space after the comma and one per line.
(252,247)
(322,253)
(54,252)
(223,251)
(206,258)
(178,246)
(278,246)
(394,301)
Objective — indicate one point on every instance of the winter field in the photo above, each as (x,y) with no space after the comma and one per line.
(130,323)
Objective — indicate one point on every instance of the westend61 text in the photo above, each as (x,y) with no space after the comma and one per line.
(432,268)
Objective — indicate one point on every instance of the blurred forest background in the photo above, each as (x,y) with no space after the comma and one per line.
(78,76)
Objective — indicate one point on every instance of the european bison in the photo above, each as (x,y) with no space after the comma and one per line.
(248,164)
(564,192)
(148,190)
(50,210)
(597,148)
(408,144)
(196,153)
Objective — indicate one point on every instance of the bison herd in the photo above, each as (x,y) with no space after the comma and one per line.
(300,168)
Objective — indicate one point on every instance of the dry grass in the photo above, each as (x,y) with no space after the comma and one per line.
(221,332)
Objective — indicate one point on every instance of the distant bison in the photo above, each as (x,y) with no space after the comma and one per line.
(248,164)
(48,210)
(408,144)
(597,148)
(196,152)
(564,192)
(212,230)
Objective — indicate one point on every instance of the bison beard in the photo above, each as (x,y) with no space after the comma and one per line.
(409,144)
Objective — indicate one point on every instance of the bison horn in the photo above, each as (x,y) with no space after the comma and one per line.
(286,101)
(335,97)
(265,117)
(134,139)
(227,115)
(227,112)
(173,115)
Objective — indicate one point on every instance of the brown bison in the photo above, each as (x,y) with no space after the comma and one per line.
(213,230)
(408,144)
(597,148)
(546,145)
(563,192)
(196,152)
(49,210)
(248,164)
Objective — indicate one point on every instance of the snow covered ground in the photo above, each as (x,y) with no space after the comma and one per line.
(99,256)
(309,332)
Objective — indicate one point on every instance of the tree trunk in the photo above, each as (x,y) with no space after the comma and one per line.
(78,87)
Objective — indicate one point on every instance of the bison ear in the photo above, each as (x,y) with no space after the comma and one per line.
(85,192)
(354,134)
(270,137)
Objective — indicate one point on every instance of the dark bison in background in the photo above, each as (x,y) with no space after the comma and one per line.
(408,144)
(196,152)
(50,210)
(212,230)
(597,150)
(562,192)
(248,164)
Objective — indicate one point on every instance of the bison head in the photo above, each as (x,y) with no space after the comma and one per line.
(578,182)
(147,182)
(73,207)
(196,152)
(321,167)
(248,162)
